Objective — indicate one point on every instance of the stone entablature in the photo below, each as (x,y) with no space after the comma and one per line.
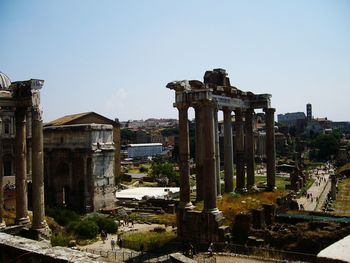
(95,137)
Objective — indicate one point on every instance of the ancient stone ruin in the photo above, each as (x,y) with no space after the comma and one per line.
(21,112)
(207,98)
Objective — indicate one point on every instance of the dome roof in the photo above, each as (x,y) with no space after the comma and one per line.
(5,81)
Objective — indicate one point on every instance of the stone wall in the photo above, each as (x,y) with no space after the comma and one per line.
(19,249)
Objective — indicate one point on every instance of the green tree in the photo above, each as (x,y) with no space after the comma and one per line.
(161,170)
(169,131)
(127,135)
(327,145)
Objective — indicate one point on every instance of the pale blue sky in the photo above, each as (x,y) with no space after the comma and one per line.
(115,57)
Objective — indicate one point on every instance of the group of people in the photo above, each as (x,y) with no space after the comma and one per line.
(126,222)
(113,242)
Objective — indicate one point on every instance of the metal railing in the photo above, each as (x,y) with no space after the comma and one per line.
(222,249)
(121,255)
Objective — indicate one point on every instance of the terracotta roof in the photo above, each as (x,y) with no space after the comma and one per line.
(67,119)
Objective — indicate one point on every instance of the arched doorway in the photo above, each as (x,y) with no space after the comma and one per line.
(8,165)
(60,183)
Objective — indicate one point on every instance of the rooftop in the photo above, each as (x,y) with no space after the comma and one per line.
(139,192)
(5,81)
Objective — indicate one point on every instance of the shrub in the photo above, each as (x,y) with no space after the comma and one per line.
(151,241)
(60,239)
(126,178)
(143,169)
(104,223)
(159,229)
(84,229)
(62,215)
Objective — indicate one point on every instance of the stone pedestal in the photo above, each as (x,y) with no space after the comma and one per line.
(228,156)
(201,227)
(21,168)
(210,225)
(258,218)
(269,213)
(241,227)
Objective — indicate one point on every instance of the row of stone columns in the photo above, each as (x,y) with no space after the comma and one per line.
(21,170)
(207,152)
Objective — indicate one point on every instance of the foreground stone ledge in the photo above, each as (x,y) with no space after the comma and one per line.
(20,249)
(179,258)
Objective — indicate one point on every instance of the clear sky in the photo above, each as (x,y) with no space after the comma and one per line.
(115,57)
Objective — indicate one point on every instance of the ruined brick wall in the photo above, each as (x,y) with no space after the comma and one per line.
(103,180)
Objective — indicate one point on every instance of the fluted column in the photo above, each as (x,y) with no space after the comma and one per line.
(199,153)
(270,148)
(228,148)
(184,151)
(21,168)
(210,188)
(2,221)
(239,148)
(38,171)
(217,152)
(249,147)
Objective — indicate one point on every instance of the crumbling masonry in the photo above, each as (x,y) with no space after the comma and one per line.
(207,99)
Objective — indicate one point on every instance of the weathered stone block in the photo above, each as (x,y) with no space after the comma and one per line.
(258,218)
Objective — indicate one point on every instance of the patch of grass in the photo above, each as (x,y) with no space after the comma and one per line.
(231,205)
(168,219)
(280,181)
(9,217)
(341,205)
(150,240)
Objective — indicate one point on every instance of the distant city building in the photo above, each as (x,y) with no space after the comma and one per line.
(290,119)
(313,128)
(144,150)
(149,123)
(309,111)
(342,126)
